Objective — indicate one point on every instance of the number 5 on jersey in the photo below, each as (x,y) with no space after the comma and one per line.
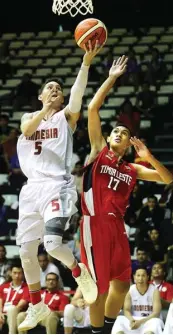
(113,183)
(38,148)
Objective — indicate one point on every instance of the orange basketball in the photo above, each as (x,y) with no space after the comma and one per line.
(90,29)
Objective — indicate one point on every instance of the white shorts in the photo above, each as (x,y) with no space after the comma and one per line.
(40,202)
(154,325)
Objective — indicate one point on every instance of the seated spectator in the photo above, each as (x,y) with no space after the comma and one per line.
(47,267)
(158,280)
(155,247)
(56,301)
(5,66)
(76,314)
(146,101)
(130,117)
(142,308)
(26,93)
(135,201)
(5,265)
(74,245)
(131,75)
(107,63)
(150,217)
(156,68)
(14,298)
(141,260)
(5,129)
(166,230)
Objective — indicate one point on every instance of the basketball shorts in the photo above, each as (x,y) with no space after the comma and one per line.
(105,249)
(41,202)
(122,324)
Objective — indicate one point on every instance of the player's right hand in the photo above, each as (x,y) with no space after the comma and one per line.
(81,303)
(90,52)
(118,67)
(50,99)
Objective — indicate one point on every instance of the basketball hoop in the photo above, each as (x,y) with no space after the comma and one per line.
(73,7)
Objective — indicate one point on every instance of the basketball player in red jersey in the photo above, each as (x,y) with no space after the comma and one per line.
(108,182)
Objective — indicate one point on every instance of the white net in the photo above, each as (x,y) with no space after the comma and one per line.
(73,7)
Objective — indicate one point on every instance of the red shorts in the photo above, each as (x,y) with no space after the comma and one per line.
(105,249)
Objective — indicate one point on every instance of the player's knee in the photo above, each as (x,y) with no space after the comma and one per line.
(28,254)
(69,311)
(52,243)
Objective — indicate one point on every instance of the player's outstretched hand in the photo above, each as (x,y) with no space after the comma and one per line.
(90,52)
(118,67)
(140,147)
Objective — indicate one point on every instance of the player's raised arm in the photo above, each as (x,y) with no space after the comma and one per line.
(159,173)
(94,124)
(78,89)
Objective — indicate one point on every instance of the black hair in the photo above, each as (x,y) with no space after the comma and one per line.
(57,80)
(123,125)
(16,264)
(152,196)
(141,268)
(53,273)
(141,248)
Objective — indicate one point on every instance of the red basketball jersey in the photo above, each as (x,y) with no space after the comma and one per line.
(107,185)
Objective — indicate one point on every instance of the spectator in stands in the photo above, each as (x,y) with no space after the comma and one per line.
(26,93)
(5,129)
(156,251)
(142,307)
(146,101)
(150,217)
(47,267)
(107,64)
(5,67)
(131,76)
(76,314)
(156,68)
(78,172)
(141,260)
(4,264)
(130,117)
(135,201)
(74,245)
(158,280)
(166,230)
(3,219)
(56,301)
(14,298)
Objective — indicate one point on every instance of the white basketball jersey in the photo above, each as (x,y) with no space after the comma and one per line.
(142,305)
(48,152)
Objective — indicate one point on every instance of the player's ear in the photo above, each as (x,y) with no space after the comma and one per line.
(108,139)
(40,97)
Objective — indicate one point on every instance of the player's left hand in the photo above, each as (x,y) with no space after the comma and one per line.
(140,148)
(136,324)
(118,67)
(90,52)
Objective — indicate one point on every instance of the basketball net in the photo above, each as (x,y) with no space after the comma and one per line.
(73,7)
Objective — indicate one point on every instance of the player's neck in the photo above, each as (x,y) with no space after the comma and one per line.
(157,281)
(51,113)
(15,283)
(117,154)
(142,288)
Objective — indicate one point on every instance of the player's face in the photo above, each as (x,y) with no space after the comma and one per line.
(141,277)
(51,282)
(157,271)
(119,139)
(57,97)
(154,235)
(17,275)
(141,256)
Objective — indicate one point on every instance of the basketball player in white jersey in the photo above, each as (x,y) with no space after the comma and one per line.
(142,307)
(76,314)
(47,201)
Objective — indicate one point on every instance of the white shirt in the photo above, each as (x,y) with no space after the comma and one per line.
(50,268)
(142,304)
